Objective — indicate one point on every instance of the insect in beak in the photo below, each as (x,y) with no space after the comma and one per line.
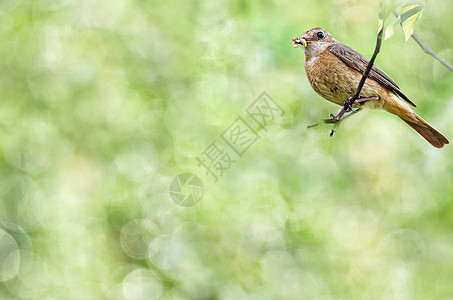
(299,41)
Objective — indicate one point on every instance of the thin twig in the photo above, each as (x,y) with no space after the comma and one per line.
(370,65)
(431,52)
(356,96)
(427,49)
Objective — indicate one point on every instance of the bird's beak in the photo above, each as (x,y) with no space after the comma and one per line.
(299,41)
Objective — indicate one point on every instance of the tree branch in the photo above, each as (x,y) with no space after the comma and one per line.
(427,49)
(370,65)
(431,52)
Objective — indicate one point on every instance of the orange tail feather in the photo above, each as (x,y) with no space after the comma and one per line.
(396,106)
(430,134)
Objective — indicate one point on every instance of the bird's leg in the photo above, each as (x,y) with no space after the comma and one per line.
(337,123)
(365,99)
(348,106)
(339,114)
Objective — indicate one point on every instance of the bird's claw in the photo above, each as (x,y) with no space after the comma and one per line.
(332,120)
(349,104)
(346,111)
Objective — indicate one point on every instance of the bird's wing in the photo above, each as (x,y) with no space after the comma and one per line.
(359,62)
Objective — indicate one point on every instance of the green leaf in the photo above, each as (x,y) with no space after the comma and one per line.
(383,14)
(390,29)
(409,16)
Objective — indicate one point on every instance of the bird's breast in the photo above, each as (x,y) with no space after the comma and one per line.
(330,77)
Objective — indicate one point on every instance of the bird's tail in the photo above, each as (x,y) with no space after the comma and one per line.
(430,134)
(402,110)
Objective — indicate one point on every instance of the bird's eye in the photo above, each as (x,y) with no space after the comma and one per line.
(320,35)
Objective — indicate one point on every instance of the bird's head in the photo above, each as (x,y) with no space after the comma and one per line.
(314,40)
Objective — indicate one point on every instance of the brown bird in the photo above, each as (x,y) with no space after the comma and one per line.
(334,71)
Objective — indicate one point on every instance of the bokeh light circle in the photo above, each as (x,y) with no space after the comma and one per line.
(9,256)
(136,237)
(142,284)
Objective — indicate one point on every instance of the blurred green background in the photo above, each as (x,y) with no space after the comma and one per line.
(103,103)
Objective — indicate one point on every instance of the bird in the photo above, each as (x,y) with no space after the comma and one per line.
(334,71)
